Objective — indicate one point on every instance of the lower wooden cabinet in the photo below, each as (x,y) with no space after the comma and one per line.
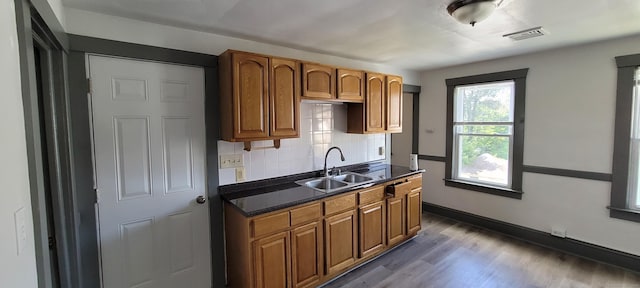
(340,241)
(308,245)
(371,219)
(414,211)
(395,220)
(272,261)
(306,255)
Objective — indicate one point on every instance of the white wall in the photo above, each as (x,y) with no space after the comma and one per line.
(128,30)
(570,107)
(322,126)
(16,269)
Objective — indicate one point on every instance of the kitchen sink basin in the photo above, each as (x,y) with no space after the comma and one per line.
(335,183)
(352,178)
(325,184)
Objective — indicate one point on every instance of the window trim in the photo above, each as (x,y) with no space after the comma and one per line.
(519,78)
(619,206)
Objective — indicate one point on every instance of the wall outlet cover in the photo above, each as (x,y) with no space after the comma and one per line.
(240,174)
(381,150)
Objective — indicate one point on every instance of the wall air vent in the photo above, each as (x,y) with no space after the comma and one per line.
(526,34)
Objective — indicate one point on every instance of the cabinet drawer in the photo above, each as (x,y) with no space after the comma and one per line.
(267,224)
(416,181)
(371,195)
(305,214)
(339,204)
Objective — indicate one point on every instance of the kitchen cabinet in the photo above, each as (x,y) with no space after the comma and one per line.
(309,244)
(244,99)
(371,219)
(284,98)
(272,261)
(381,111)
(395,220)
(306,255)
(259,97)
(394,104)
(350,85)
(318,81)
(340,242)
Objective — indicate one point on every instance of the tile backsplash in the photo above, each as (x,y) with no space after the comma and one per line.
(321,127)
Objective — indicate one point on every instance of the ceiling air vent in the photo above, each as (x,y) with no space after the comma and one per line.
(526,34)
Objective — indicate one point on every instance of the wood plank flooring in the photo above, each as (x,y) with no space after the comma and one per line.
(448,253)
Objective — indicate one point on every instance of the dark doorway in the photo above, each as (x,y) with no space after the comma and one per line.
(42,61)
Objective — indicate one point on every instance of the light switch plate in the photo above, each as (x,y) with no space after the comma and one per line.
(240,175)
(21,229)
(381,150)
(231,161)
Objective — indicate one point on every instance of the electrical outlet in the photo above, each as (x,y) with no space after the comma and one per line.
(240,175)
(559,231)
(381,150)
(21,229)
(231,161)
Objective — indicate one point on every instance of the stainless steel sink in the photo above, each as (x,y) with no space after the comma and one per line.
(352,178)
(335,183)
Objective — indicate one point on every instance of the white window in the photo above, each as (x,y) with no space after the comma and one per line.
(483,133)
(634,151)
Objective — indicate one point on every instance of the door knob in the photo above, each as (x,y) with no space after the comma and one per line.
(201,199)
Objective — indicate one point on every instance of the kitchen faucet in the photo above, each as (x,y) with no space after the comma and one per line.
(326,172)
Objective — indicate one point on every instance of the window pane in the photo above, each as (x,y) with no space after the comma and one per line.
(484,159)
(484,129)
(491,102)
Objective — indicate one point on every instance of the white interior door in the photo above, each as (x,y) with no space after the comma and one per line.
(401,143)
(149,146)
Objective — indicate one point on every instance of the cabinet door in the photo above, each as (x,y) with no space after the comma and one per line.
(375,102)
(250,96)
(318,81)
(395,219)
(340,242)
(306,255)
(272,261)
(371,219)
(351,85)
(414,211)
(285,98)
(394,104)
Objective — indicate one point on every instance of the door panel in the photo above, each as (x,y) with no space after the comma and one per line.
(395,220)
(250,96)
(350,85)
(394,104)
(414,211)
(375,103)
(149,147)
(306,255)
(285,98)
(371,229)
(272,261)
(340,241)
(318,81)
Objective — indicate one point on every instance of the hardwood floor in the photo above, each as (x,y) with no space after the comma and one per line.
(448,253)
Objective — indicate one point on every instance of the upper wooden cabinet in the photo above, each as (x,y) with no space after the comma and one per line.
(350,85)
(259,97)
(318,82)
(375,103)
(394,104)
(381,111)
(285,98)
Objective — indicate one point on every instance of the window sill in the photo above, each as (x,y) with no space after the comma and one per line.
(499,191)
(624,214)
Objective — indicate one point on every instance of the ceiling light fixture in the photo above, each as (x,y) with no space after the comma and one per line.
(471,11)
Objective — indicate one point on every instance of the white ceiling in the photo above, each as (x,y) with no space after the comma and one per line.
(410,34)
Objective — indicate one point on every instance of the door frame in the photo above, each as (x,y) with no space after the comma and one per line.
(85,196)
(37,24)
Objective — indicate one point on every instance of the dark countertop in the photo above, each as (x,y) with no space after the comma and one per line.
(263,196)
